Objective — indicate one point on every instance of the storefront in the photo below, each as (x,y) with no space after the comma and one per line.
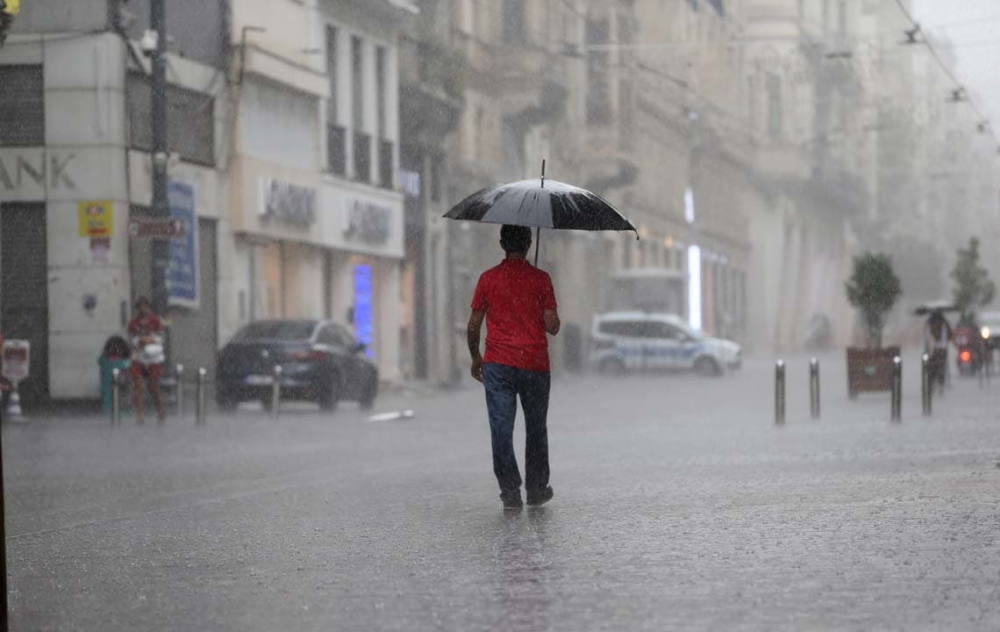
(363,227)
(312,247)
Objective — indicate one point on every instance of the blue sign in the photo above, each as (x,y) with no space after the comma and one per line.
(182,265)
(364,328)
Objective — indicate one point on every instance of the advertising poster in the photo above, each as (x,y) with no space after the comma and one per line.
(182,266)
(96,218)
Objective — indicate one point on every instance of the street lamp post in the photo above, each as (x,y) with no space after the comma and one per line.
(160,156)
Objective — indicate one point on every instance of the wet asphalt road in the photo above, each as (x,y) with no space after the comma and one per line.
(678,505)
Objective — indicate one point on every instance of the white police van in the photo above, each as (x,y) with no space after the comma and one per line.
(624,342)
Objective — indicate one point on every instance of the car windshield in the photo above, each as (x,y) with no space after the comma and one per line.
(695,334)
(276,330)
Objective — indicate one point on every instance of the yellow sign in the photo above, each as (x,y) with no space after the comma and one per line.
(96,219)
(12,7)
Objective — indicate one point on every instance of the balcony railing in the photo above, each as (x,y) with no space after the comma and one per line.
(362,156)
(386,163)
(336,144)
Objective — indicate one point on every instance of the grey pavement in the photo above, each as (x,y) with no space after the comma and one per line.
(679,505)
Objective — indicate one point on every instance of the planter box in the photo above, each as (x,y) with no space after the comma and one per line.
(869,370)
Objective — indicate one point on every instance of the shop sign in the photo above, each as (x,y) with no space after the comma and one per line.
(182,265)
(288,203)
(155,228)
(16,360)
(366,221)
(27,174)
(409,181)
(96,219)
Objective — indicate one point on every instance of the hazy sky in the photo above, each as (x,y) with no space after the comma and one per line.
(973,26)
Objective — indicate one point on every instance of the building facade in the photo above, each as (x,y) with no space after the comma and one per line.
(284,134)
(78,172)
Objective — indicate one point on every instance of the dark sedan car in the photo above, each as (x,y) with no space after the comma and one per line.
(320,362)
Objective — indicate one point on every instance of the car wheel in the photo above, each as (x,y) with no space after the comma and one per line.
(226,401)
(330,396)
(707,367)
(371,392)
(612,366)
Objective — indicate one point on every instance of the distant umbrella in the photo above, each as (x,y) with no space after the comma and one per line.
(935,306)
(541,203)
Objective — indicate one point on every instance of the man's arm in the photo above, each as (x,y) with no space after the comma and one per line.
(552,323)
(472,334)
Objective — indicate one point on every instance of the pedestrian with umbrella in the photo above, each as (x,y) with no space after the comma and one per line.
(517,301)
(937,337)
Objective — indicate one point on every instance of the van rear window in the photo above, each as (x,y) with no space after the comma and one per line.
(626,328)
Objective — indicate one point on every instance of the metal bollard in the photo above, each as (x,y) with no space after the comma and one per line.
(14,412)
(116,397)
(814,388)
(926,387)
(180,389)
(779,393)
(897,389)
(276,391)
(201,406)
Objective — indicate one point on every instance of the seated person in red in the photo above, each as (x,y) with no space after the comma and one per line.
(146,331)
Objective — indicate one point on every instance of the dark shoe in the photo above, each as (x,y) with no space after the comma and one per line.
(540,497)
(511,499)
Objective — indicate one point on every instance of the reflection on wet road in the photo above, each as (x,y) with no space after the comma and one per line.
(678,505)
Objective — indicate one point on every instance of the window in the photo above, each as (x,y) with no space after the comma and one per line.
(842,17)
(598,92)
(190,120)
(22,100)
(623,328)
(344,337)
(277,330)
(774,112)
(513,21)
(380,89)
(336,135)
(625,94)
(718,6)
(331,71)
(327,336)
(357,83)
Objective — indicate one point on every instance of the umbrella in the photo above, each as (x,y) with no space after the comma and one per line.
(935,306)
(540,203)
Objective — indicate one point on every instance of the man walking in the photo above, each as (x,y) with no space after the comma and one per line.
(519,305)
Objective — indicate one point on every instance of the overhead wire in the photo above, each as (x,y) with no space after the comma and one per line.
(947,70)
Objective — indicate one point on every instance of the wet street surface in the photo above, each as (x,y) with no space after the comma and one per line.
(679,505)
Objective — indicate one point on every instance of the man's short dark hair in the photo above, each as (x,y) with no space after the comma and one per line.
(515,238)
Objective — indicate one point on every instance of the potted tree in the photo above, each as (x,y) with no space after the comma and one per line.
(973,286)
(873,289)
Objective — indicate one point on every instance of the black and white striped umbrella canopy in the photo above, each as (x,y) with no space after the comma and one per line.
(541,203)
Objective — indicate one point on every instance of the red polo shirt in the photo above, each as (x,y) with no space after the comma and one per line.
(515,296)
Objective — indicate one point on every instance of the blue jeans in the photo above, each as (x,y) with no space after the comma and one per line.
(503,386)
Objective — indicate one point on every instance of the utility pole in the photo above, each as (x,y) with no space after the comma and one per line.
(160,157)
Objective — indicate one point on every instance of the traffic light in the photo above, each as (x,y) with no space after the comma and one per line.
(8,9)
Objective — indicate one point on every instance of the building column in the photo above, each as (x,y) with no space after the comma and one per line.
(388,308)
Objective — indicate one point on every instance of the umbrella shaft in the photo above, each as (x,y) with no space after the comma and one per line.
(538,242)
